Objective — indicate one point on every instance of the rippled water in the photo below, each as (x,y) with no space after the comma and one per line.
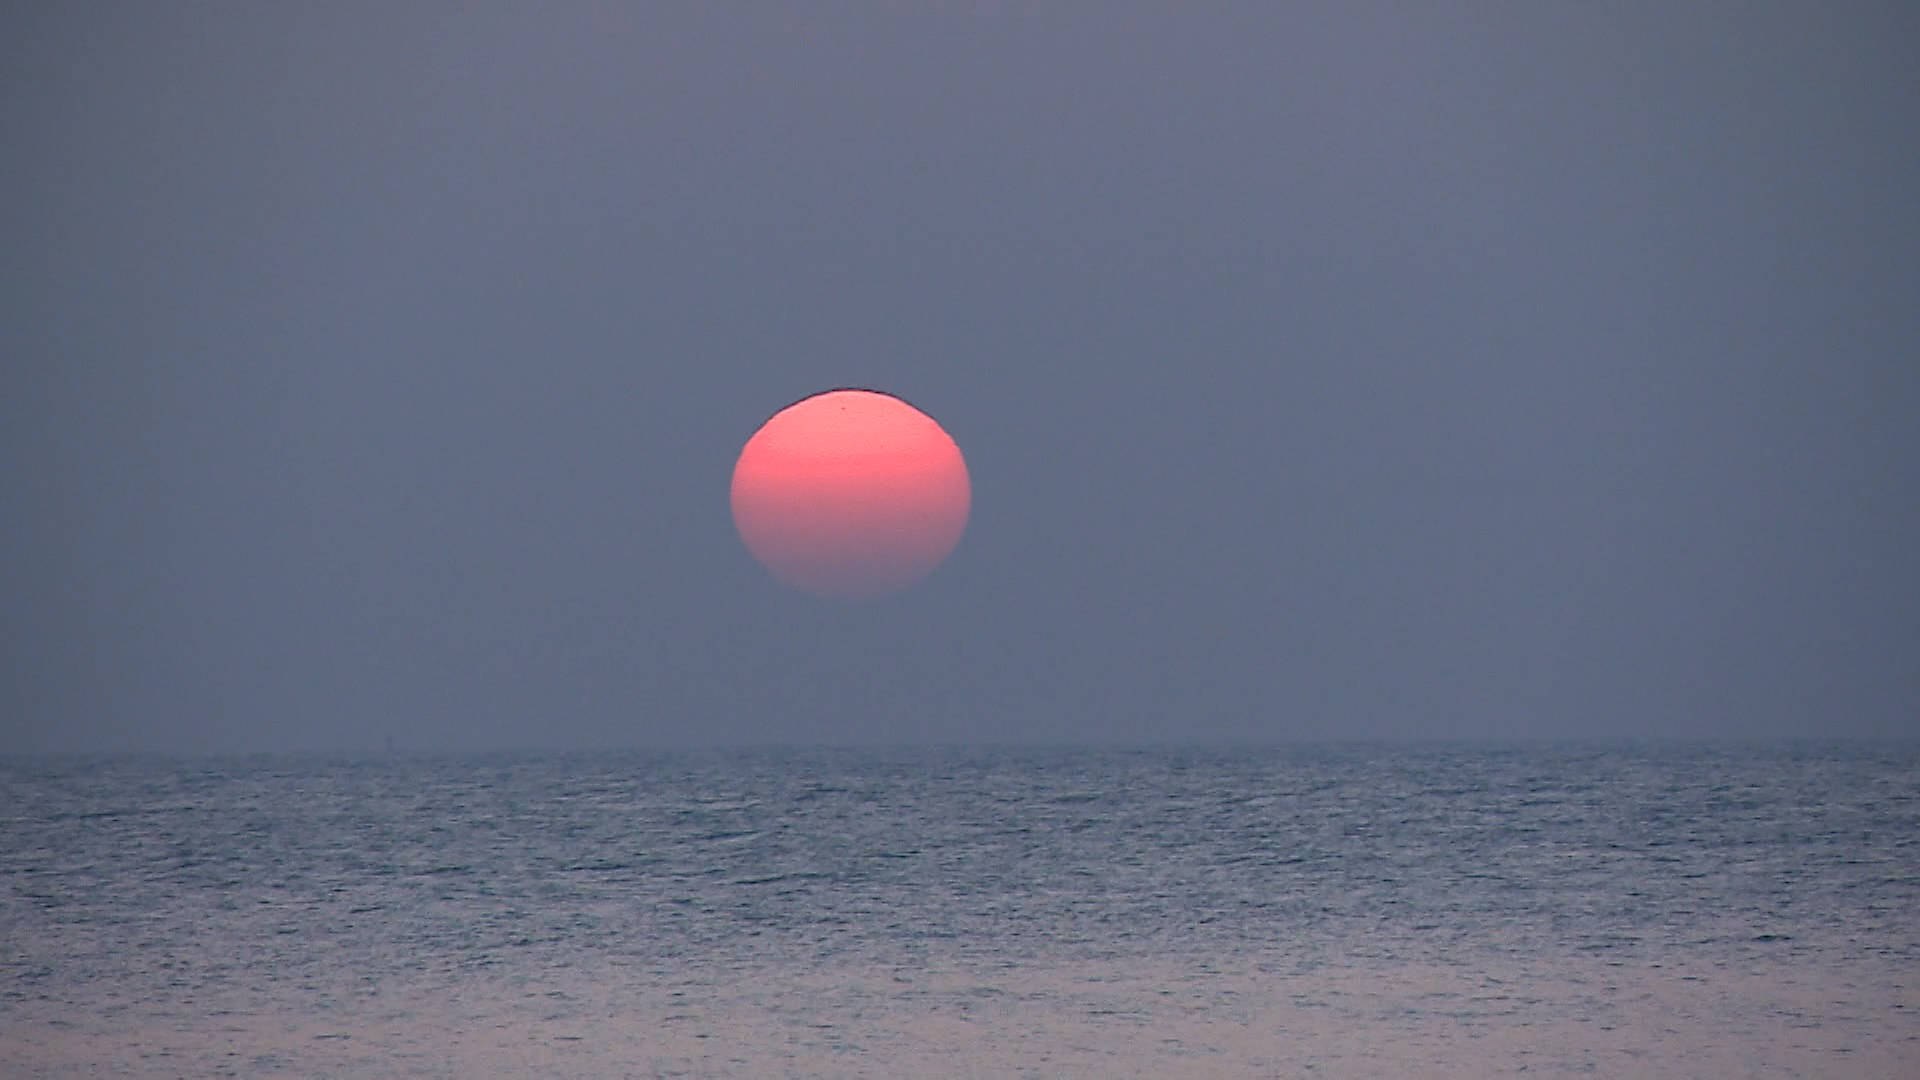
(1346,912)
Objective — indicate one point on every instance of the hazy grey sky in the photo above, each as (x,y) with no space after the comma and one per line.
(1324,370)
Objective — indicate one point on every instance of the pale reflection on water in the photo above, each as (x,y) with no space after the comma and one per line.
(1346,913)
(1249,1016)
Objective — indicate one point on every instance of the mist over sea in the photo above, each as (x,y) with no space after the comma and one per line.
(1343,911)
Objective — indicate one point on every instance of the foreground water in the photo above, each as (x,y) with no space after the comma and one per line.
(1362,911)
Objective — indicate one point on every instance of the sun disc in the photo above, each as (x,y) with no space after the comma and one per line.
(850,493)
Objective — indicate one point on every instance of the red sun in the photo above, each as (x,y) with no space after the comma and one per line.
(850,493)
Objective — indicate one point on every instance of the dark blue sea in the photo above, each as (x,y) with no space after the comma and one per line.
(1352,911)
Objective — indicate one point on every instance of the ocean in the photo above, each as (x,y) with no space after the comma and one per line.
(1326,911)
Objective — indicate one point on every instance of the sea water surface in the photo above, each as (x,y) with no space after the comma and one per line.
(1347,911)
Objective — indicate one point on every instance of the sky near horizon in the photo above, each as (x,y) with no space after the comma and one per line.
(1324,370)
